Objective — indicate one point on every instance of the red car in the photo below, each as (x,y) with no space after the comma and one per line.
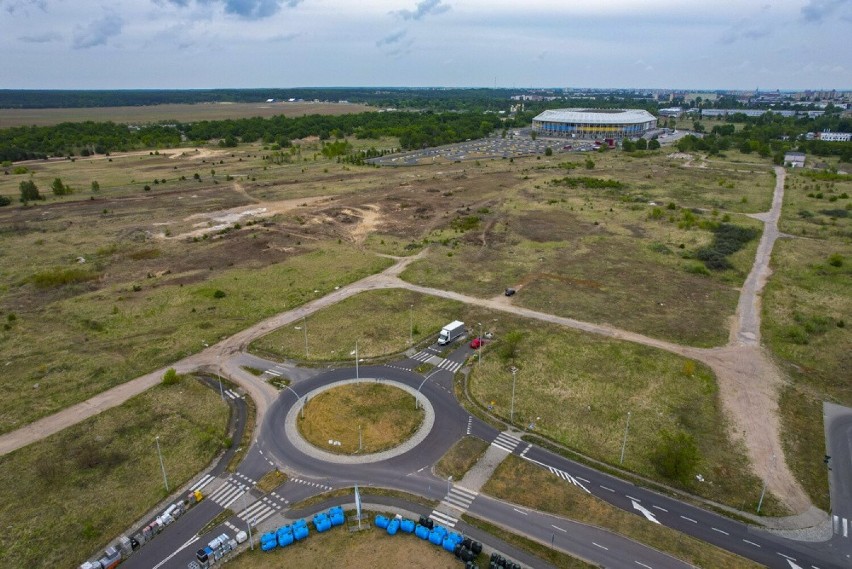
(476,343)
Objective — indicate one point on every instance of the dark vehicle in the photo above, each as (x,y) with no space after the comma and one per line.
(510,292)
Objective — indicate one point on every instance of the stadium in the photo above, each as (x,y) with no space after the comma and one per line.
(594,123)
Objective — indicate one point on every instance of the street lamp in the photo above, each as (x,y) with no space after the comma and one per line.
(218,370)
(765,480)
(410,325)
(248,523)
(305,328)
(357,376)
(449,483)
(480,342)
(624,442)
(162,466)
(512,408)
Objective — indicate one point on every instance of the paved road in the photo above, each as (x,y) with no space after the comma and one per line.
(838,436)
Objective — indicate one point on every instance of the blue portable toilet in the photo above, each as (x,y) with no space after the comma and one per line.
(393,527)
(456,537)
(322,523)
(336,516)
(436,537)
(300,523)
(449,544)
(421,531)
(285,539)
(381,522)
(300,532)
(270,536)
(407,526)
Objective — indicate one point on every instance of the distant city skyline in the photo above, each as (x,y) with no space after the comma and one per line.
(646,44)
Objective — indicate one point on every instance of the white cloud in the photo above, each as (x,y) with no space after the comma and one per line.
(422,9)
(97,32)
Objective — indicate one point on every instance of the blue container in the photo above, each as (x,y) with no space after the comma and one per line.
(285,539)
(449,544)
(407,526)
(456,537)
(268,537)
(320,520)
(268,545)
(381,522)
(300,523)
(335,510)
(323,524)
(393,527)
(421,531)
(436,537)
(336,518)
(300,533)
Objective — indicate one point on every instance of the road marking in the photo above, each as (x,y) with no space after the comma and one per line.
(605,488)
(632,498)
(795,566)
(178,550)
(559,528)
(689,519)
(720,531)
(506,442)
(202,483)
(787,557)
(650,517)
(751,543)
(583,479)
(601,546)
(520,512)
(661,509)
(845,527)
(469,423)
(443,518)
(273,372)
(643,565)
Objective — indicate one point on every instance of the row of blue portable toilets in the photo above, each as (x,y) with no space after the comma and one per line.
(298,530)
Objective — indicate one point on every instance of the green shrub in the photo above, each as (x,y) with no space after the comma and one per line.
(4,201)
(835,260)
(171,377)
(676,456)
(219,293)
(727,239)
(62,276)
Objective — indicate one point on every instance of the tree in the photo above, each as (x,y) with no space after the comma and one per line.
(29,191)
(548,151)
(96,187)
(4,201)
(510,344)
(533,135)
(60,189)
(641,144)
(676,456)
(628,145)
(654,144)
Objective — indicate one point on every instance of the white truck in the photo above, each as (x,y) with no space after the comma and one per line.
(451,332)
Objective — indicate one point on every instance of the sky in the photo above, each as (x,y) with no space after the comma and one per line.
(195,44)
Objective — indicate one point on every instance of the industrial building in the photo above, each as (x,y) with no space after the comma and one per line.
(594,123)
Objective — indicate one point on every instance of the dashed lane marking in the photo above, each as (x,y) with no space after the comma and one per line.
(520,511)
(720,531)
(559,528)
(643,565)
(601,546)
(786,556)
(751,543)
(661,509)
(608,489)
(634,499)
(689,519)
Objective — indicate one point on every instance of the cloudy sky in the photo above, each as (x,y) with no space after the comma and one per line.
(692,44)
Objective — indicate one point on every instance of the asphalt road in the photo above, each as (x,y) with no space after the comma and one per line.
(838,436)
(410,472)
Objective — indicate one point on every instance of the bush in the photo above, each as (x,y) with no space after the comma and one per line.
(61,277)
(727,239)
(548,151)
(171,377)
(835,260)
(219,293)
(676,456)
(4,201)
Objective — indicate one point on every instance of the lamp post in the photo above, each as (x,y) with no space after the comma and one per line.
(357,376)
(162,466)
(248,523)
(512,408)
(449,483)
(410,324)
(218,370)
(480,342)
(305,328)
(624,442)
(360,440)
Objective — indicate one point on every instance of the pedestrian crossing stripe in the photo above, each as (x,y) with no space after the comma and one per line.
(841,526)
(231,394)
(449,365)
(228,493)
(256,513)
(273,372)
(506,442)
(469,424)
(207,479)
(314,484)
(443,519)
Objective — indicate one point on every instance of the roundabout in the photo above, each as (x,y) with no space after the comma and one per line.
(308,431)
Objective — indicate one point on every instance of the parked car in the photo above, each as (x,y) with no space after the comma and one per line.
(509,292)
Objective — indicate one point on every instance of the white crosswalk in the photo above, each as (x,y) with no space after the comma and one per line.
(469,424)
(227,493)
(259,511)
(244,477)
(457,498)
(449,365)
(231,394)
(841,526)
(506,442)
(424,355)
(204,481)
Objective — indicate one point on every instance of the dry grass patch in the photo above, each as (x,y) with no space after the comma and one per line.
(91,481)
(461,457)
(522,483)
(386,416)
(271,480)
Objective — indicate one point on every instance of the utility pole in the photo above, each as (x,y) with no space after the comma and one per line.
(410,325)
(480,342)
(360,440)
(357,376)
(219,374)
(162,466)
(449,483)
(248,523)
(624,442)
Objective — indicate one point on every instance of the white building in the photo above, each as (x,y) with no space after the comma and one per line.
(829,136)
(594,123)
(794,159)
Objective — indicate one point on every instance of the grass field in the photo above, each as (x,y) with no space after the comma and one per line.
(817,205)
(379,417)
(578,389)
(382,321)
(623,255)
(171,113)
(520,482)
(461,458)
(807,312)
(91,481)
